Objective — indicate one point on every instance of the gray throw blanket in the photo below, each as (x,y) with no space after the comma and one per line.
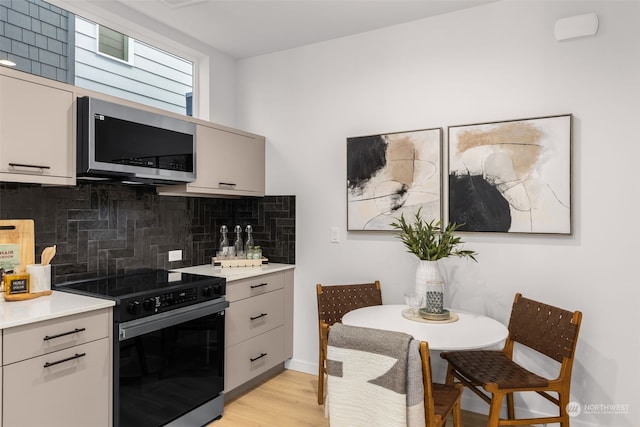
(374,378)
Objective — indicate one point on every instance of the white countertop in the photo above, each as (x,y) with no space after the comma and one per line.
(235,273)
(58,304)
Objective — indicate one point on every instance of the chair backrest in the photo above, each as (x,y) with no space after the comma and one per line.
(550,330)
(336,300)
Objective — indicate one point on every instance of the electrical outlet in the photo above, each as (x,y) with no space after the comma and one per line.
(175,255)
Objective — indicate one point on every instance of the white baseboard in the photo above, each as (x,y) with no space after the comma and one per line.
(301,366)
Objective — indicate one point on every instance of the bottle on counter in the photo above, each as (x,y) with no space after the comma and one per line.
(223,247)
(248,246)
(237,244)
(16,283)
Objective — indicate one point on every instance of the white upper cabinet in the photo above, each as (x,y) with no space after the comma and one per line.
(228,163)
(37,137)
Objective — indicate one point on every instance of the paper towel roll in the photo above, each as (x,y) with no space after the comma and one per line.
(40,277)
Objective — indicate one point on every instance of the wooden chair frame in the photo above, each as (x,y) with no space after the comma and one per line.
(335,301)
(438,397)
(550,331)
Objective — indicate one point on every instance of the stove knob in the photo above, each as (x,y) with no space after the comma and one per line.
(133,307)
(149,304)
(206,291)
(218,289)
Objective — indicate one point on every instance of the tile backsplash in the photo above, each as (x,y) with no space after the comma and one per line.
(105,229)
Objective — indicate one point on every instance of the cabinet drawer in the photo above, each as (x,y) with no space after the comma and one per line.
(250,317)
(35,339)
(250,358)
(70,393)
(245,288)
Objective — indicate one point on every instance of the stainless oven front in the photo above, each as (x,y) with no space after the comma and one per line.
(169,367)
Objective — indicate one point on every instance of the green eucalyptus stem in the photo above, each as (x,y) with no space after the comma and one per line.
(428,241)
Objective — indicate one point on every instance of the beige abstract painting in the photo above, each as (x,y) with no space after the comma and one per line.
(512,176)
(390,174)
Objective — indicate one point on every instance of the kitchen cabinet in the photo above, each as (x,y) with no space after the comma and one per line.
(37,135)
(229,163)
(259,326)
(58,372)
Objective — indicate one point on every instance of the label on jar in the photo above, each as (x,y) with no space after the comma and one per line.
(18,286)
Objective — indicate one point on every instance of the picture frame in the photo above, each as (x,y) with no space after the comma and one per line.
(511,176)
(392,174)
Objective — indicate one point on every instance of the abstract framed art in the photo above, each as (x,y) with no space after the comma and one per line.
(394,173)
(511,176)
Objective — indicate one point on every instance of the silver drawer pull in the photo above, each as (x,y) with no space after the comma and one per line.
(259,286)
(22,165)
(75,331)
(258,316)
(259,357)
(77,356)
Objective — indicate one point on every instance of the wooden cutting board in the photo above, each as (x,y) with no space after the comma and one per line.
(18,232)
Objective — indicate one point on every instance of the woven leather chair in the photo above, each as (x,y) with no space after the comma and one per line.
(440,400)
(492,375)
(334,302)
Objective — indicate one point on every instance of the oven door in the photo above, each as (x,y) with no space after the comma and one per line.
(170,367)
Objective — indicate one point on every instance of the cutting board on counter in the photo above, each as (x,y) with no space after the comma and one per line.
(17,234)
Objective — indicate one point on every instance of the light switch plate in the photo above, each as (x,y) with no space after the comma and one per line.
(335,235)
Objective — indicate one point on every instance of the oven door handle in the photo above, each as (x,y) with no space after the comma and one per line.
(155,322)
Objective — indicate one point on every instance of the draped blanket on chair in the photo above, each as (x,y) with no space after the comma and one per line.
(374,378)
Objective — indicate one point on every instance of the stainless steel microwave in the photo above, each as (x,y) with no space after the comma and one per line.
(121,143)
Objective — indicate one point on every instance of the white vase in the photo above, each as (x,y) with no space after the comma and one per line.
(427,271)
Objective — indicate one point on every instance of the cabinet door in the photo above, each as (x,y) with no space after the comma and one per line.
(36,133)
(72,392)
(229,162)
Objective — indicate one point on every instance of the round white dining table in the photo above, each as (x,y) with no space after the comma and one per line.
(470,331)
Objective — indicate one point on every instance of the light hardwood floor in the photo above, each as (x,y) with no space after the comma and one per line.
(289,400)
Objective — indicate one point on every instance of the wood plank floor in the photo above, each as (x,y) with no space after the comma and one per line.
(289,400)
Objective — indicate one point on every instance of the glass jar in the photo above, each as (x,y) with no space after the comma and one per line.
(434,298)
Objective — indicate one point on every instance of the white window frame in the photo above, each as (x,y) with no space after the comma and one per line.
(130,47)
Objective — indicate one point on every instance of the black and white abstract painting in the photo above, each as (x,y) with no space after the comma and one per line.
(390,174)
(511,176)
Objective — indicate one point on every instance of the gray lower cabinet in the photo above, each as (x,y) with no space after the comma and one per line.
(58,372)
(259,326)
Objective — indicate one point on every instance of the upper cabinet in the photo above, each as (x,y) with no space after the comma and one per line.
(37,137)
(228,163)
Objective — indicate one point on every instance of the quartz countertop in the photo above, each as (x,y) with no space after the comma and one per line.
(58,304)
(235,273)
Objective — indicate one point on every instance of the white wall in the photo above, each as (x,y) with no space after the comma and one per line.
(493,62)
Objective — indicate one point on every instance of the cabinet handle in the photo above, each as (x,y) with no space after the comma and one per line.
(75,331)
(258,316)
(22,165)
(258,286)
(227,184)
(77,356)
(259,357)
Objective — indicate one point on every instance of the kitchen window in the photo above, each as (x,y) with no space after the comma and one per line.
(48,41)
(114,44)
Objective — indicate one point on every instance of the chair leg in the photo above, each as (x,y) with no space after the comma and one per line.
(510,408)
(494,410)
(321,379)
(563,400)
(457,415)
(450,377)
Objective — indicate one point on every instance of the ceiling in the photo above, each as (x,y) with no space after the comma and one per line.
(245,28)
